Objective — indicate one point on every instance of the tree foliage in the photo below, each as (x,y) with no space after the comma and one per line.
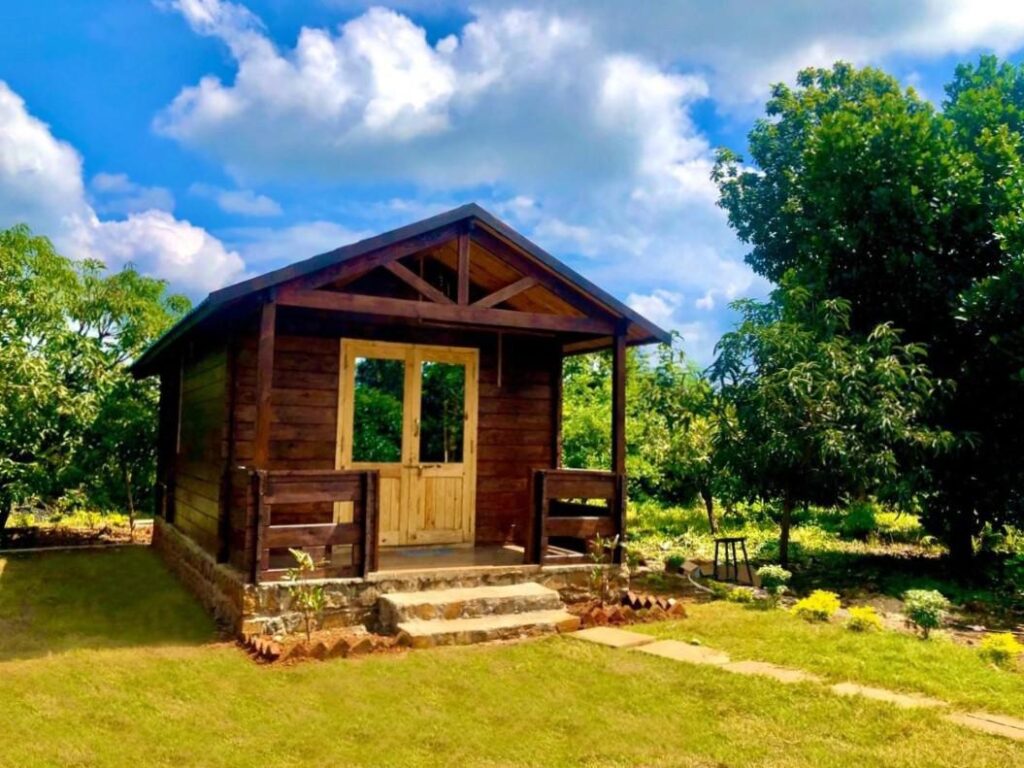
(810,414)
(864,191)
(71,416)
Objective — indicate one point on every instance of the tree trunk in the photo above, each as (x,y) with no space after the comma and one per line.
(709,505)
(5,514)
(961,545)
(787,520)
(131,505)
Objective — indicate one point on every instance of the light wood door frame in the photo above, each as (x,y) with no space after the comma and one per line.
(413,476)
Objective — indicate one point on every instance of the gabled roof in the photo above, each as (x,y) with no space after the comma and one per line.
(265,283)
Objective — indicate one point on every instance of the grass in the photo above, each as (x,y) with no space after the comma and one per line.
(897,555)
(893,660)
(105,662)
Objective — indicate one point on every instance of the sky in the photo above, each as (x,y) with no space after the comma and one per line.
(206,141)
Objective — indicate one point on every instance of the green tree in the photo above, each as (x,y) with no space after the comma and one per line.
(808,413)
(863,190)
(70,414)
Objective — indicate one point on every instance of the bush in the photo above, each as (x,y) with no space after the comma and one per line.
(863,618)
(818,606)
(925,609)
(674,561)
(740,595)
(860,521)
(1001,649)
(774,578)
(719,591)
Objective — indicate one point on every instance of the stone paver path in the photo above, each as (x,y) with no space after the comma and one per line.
(774,671)
(679,651)
(612,637)
(999,725)
(905,700)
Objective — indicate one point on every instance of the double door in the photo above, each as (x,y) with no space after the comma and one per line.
(410,412)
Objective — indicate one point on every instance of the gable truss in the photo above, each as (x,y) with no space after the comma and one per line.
(309,291)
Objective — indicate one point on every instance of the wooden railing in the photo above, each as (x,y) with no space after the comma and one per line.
(564,523)
(270,541)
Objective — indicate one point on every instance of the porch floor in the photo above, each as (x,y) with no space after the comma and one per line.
(430,558)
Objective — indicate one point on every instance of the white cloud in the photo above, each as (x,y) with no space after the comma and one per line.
(41,185)
(659,306)
(744,46)
(265,247)
(517,97)
(243,202)
(116,193)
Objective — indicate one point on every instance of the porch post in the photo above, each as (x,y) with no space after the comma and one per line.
(264,383)
(619,429)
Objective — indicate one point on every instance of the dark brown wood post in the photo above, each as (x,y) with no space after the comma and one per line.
(556,409)
(619,429)
(264,384)
(371,523)
(463,287)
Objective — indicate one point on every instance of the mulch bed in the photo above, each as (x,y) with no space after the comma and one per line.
(42,536)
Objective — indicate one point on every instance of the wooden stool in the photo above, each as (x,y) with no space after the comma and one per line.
(727,542)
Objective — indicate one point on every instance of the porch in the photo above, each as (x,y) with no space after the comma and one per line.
(569,509)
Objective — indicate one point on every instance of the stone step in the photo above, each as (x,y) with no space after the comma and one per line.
(465,603)
(426,633)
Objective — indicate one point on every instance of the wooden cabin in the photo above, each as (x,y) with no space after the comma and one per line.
(392,404)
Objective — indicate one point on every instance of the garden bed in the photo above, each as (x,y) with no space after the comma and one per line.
(59,536)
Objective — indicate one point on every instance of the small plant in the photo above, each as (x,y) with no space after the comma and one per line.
(925,608)
(719,591)
(309,599)
(740,595)
(774,580)
(818,606)
(863,618)
(1001,649)
(674,561)
(601,552)
(860,521)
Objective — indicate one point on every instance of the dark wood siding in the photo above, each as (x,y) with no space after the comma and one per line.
(515,432)
(201,447)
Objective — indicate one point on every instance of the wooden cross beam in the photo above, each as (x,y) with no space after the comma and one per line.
(411,278)
(506,293)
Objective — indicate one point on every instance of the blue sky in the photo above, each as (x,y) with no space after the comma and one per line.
(206,141)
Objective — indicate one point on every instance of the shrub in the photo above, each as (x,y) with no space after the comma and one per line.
(860,521)
(925,609)
(674,561)
(818,606)
(863,618)
(774,578)
(719,591)
(740,595)
(1001,649)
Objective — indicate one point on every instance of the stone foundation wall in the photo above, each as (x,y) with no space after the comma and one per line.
(266,608)
(218,587)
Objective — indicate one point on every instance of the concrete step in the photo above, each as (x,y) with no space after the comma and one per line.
(465,603)
(426,633)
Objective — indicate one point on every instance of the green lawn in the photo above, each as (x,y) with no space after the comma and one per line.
(894,660)
(104,661)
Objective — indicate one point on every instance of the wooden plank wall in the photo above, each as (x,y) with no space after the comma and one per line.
(515,436)
(304,402)
(199,462)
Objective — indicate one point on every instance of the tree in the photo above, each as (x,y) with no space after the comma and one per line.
(863,190)
(70,414)
(808,413)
